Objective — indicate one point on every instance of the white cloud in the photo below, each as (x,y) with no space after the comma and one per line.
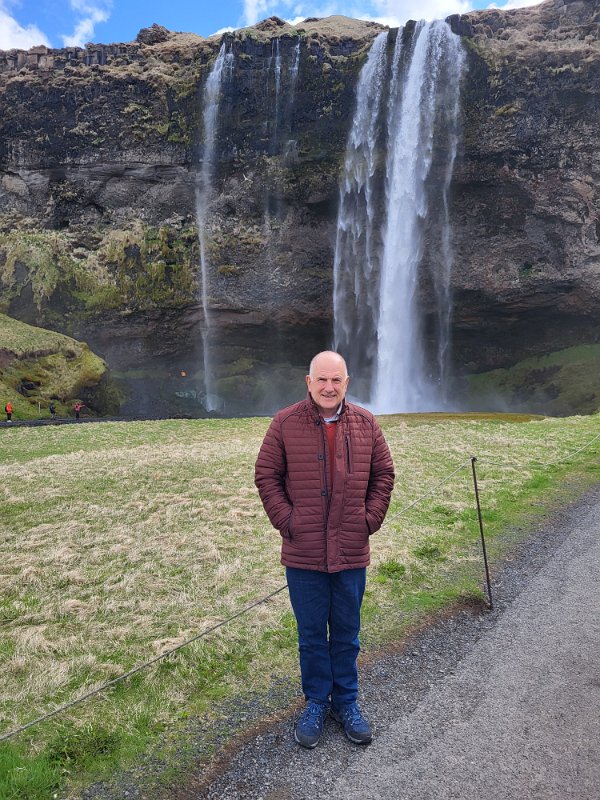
(90,15)
(14,35)
(222,30)
(402,10)
(515,4)
(387,12)
(255,10)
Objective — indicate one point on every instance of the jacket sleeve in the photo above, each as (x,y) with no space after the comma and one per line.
(270,478)
(381,481)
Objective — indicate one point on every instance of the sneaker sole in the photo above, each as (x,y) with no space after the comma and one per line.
(302,744)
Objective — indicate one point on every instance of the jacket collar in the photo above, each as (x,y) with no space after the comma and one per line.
(314,410)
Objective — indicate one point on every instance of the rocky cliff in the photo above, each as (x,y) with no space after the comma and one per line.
(527,192)
(101,151)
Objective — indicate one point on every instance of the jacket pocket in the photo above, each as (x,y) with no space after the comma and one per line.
(348,455)
(287,532)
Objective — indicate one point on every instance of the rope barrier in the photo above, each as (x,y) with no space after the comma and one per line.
(139,668)
(484,460)
(167,653)
(428,493)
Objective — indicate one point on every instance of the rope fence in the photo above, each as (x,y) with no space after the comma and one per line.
(471,461)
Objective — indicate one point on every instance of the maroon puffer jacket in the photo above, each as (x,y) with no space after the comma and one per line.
(324,527)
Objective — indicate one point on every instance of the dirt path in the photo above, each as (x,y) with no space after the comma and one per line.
(497,705)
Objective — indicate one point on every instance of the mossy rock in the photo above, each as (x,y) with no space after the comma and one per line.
(38,366)
(560,384)
(140,267)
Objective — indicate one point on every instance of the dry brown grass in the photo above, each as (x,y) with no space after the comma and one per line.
(127,540)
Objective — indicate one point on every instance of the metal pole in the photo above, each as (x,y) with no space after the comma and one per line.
(485,561)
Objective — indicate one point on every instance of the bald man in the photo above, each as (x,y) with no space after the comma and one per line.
(325,477)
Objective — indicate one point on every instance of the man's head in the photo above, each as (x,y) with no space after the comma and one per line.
(327,381)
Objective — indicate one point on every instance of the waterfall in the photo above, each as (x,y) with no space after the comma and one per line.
(294,70)
(393,233)
(355,268)
(290,150)
(221,69)
(277,76)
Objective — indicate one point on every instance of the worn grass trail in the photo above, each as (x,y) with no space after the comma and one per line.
(119,541)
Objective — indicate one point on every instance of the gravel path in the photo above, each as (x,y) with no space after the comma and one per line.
(500,704)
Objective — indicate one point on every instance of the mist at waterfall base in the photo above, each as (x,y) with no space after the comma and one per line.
(393,256)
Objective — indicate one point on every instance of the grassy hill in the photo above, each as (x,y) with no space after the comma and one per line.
(38,366)
(553,384)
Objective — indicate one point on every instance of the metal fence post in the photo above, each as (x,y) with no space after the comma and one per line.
(485,560)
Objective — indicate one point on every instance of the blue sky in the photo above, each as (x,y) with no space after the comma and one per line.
(60,23)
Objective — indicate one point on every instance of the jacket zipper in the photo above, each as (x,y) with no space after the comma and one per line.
(324,440)
(327,492)
(348,457)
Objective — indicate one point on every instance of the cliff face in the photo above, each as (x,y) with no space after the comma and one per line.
(100,155)
(527,191)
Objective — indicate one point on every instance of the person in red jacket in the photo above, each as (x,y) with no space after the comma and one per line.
(325,476)
(8,410)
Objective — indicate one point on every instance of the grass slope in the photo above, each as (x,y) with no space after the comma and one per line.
(121,540)
(560,383)
(61,368)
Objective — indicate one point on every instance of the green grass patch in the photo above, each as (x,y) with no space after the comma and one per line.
(561,383)
(122,540)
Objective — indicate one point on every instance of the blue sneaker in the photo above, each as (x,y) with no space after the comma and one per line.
(310,725)
(356,727)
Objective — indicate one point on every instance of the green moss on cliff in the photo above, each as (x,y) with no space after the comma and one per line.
(38,366)
(140,267)
(560,383)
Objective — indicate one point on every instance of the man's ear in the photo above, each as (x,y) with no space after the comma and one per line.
(308,381)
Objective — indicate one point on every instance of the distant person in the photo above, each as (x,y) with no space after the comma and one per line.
(52,410)
(325,477)
(77,408)
(8,410)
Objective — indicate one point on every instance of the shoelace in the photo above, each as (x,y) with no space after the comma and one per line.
(313,715)
(353,716)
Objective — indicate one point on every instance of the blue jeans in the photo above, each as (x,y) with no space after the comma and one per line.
(327,610)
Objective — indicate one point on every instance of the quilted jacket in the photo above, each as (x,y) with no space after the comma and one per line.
(324,527)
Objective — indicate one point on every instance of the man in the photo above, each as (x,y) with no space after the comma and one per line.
(325,476)
(8,409)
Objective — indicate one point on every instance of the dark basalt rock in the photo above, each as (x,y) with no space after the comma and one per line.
(153,35)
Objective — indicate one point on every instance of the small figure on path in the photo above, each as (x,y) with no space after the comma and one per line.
(325,477)
(77,408)
(8,410)
(52,410)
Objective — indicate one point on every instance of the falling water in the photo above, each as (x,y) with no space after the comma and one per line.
(378,318)
(294,70)
(356,291)
(222,68)
(291,146)
(277,74)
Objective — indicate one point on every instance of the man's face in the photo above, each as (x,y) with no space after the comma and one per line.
(328,382)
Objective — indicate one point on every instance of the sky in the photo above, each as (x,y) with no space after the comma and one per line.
(73,23)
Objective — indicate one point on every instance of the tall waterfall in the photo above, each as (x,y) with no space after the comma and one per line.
(212,94)
(294,69)
(393,236)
